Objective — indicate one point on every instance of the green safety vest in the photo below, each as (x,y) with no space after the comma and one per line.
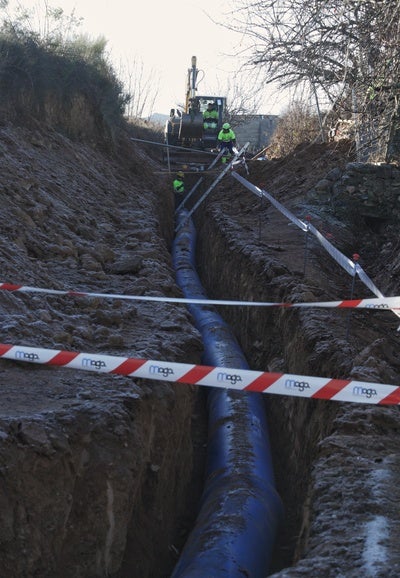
(210,114)
(179,186)
(226,136)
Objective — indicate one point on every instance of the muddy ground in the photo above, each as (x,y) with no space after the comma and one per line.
(100,475)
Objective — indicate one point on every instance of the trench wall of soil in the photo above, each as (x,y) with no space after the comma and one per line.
(270,339)
(331,460)
(95,470)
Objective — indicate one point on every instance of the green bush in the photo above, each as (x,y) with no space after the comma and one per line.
(66,84)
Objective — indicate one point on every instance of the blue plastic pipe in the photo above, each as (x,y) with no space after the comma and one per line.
(240,509)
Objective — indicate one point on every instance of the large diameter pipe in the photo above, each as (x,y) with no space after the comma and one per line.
(240,508)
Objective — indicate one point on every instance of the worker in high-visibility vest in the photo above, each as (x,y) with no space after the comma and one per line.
(179,188)
(227,141)
(210,117)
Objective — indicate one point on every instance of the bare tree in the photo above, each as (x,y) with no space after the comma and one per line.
(51,25)
(296,125)
(143,87)
(242,96)
(346,49)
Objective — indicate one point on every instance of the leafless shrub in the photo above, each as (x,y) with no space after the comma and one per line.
(295,126)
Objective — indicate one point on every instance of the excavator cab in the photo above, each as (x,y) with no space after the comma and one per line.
(188,127)
(211,127)
(194,129)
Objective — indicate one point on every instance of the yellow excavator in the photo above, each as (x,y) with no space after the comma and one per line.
(187,127)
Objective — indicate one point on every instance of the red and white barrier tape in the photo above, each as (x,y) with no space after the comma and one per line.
(202,375)
(389,303)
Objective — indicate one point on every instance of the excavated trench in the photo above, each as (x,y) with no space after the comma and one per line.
(240,509)
(223,270)
(268,337)
(95,470)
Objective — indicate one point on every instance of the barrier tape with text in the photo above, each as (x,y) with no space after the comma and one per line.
(346,390)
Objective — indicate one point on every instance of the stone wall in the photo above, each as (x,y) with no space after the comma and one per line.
(370,189)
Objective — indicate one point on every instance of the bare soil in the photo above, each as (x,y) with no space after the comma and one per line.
(101,475)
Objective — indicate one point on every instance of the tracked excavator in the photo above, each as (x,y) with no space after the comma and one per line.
(186,128)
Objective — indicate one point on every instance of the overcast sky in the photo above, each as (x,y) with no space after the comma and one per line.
(164,35)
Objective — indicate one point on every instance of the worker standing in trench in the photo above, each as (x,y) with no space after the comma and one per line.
(179,188)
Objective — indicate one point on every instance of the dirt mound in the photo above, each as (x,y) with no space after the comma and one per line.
(288,175)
